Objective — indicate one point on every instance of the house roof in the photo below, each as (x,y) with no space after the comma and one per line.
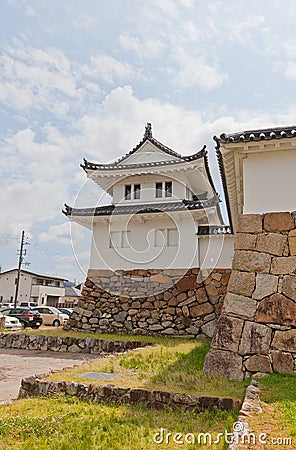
(34,274)
(258,135)
(71,291)
(142,209)
(120,165)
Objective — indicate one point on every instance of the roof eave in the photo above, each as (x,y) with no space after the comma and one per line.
(223,179)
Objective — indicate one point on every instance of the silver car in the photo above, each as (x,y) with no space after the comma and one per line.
(11,323)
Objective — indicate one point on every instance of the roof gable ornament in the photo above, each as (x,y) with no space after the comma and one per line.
(148,131)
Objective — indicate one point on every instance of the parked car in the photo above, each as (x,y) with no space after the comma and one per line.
(7,305)
(67,311)
(11,323)
(27,317)
(28,304)
(51,315)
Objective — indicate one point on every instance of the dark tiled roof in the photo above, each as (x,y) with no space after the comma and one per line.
(204,230)
(258,135)
(224,183)
(142,209)
(115,166)
(119,164)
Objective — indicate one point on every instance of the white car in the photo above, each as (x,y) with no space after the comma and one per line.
(11,323)
(7,305)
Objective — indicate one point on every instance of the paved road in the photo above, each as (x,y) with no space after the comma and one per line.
(18,364)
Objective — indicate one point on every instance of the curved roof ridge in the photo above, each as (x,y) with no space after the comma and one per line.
(142,208)
(276,132)
(115,165)
(148,136)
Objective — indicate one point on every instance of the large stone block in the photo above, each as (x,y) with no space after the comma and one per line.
(227,333)
(278,221)
(258,363)
(161,279)
(265,285)
(277,309)
(285,340)
(229,364)
(249,223)
(245,241)
(239,305)
(284,265)
(255,338)
(201,310)
(209,328)
(241,283)
(251,261)
(186,283)
(289,286)
(272,243)
(282,362)
(292,242)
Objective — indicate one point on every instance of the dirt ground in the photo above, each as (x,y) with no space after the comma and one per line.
(18,364)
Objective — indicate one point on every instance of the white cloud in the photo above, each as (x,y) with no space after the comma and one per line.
(109,69)
(84,21)
(181,45)
(147,48)
(36,79)
(290,70)
(73,266)
(169,7)
(29,11)
(242,30)
(23,203)
(57,233)
(195,70)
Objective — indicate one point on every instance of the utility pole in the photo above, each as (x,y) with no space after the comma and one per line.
(22,253)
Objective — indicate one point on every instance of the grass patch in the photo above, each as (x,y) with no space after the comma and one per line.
(175,365)
(69,424)
(278,417)
(59,332)
(280,391)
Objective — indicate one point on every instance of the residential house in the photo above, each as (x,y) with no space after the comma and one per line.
(42,289)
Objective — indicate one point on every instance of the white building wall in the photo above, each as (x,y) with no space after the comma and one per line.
(138,244)
(269,181)
(28,291)
(144,252)
(7,287)
(216,251)
(45,291)
(147,183)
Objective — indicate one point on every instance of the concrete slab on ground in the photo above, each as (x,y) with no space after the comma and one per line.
(17,364)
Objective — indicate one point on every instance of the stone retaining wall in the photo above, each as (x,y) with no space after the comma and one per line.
(67,344)
(151,302)
(242,436)
(34,387)
(256,331)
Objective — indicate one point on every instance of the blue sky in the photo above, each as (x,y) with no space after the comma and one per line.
(81,79)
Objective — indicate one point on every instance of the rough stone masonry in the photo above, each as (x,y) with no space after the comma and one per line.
(256,332)
(151,302)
